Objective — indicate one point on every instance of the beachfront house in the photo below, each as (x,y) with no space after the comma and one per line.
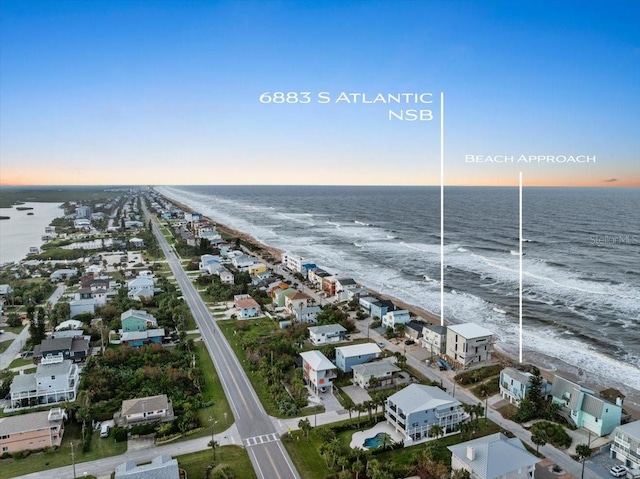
(318,371)
(375,374)
(328,333)
(434,338)
(144,410)
(515,385)
(626,445)
(412,411)
(349,356)
(494,457)
(317,277)
(468,344)
(32,431)
(55,380)
(160,467)
(580,406)
(391,318)
(413,330)
(380,307)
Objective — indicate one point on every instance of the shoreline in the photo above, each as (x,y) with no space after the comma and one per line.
(566,370)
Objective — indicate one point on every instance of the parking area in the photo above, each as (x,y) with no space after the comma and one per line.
(601,463)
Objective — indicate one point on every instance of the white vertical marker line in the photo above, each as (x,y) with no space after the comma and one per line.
(520,274)
(441,208)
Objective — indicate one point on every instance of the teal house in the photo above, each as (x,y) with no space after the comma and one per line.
(137,320)
(584,409)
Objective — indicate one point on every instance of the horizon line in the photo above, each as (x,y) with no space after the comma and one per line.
(106,185)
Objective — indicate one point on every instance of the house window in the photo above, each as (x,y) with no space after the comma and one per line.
(53,377)
(5,448)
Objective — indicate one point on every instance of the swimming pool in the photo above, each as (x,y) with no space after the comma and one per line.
(377,440)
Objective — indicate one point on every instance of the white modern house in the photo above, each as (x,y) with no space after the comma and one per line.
(318,371)
(328,333)
(55,380)
(391,318)
(412,411)
(494,457)
(626,445)
(307,314)
(434,338)
(468,344)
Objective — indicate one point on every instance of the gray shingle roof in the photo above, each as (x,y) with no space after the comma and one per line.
(327,329)
(417,397)
(494,455)
(139,405)
(27,422)
(376,368)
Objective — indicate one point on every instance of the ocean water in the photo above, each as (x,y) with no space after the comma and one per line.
(22,231)
(581,263)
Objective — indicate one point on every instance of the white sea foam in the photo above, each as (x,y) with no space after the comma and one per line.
(545,281)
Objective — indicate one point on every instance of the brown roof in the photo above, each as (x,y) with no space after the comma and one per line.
(247,303)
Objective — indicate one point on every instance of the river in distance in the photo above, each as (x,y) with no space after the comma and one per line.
(22,230)
(581,263)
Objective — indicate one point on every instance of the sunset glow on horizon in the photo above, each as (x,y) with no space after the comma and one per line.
(175,93)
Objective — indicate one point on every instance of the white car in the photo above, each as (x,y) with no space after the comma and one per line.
(618,471)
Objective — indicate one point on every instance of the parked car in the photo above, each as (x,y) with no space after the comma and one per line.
(618,471)
(409,342)
(381,344)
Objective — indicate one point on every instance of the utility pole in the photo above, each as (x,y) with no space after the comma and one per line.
(73,461)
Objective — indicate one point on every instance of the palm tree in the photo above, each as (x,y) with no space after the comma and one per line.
(305,426)
(436,431)
(583,451)
(539,439)
(373,383)
(213,444)
(357,467)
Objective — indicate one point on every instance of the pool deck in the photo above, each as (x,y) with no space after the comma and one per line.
(358,438)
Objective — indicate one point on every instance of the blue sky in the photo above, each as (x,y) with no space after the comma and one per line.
(126,92)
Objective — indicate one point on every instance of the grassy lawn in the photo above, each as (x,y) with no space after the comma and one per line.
(13,329)
(62,457)
(261,327)
(234,456)
(4,345)
(305,454)
(213,393)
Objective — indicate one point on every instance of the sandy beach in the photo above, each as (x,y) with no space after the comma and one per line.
(568,371)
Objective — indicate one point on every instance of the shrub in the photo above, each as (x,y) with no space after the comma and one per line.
(120,434)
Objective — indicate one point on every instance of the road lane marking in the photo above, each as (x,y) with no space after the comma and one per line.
(263,439)
(273,464)
(257,463)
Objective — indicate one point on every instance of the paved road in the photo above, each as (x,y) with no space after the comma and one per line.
(558,457)
(20,340)
(259,436)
